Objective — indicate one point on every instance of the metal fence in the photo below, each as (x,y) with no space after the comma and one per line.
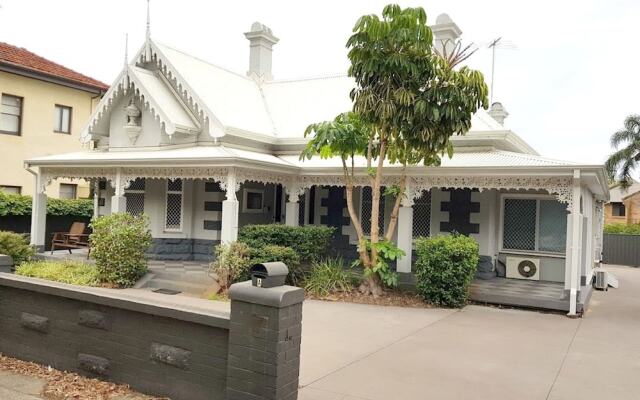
(621,249)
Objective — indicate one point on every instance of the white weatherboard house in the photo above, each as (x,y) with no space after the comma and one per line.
(203,151)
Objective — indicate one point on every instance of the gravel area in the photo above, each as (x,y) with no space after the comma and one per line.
(62,385)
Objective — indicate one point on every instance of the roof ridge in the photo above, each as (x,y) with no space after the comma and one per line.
(204,61)
(310,78)
(89,80)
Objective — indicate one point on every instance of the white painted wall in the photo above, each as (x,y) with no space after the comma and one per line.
(437,216)
(200,214)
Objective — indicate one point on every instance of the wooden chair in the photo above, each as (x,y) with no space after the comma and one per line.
(74,239)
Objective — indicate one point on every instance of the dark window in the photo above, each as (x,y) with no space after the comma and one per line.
(254,201)
(10,114)
(62,119)
(618,210)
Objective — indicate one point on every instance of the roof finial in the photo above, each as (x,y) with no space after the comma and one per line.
(148,22)
(126,49)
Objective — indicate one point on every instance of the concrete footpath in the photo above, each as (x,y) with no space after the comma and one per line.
(359,352)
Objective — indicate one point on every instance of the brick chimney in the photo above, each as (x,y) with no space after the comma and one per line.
(261,42)
(498,112)
(445,33)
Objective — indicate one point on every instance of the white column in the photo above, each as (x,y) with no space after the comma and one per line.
(292,208)
(39,214)
(230,207)
(574,246)
(118,201)
(405,231)
(96,198)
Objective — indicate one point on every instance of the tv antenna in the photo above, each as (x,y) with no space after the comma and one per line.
(497,43)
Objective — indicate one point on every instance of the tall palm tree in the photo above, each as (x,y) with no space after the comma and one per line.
(625,160)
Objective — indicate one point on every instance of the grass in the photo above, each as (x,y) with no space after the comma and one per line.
(72,272)
(219,297)
(329,276)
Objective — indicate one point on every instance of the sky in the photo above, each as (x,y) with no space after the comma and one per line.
(568,84)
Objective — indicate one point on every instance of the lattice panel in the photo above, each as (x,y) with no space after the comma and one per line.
(301,207)
(174,185)
(135,203)
(422,215)
(174,211)
(365,216)
(552,235)
(138,184)
(519,229)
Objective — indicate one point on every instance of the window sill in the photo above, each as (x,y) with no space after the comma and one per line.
(63,133)
(11,133)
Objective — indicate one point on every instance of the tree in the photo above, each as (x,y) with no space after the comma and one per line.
(624,161)
(408,101)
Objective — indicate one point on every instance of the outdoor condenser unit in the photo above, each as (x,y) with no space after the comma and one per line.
(602,279)
(523,268)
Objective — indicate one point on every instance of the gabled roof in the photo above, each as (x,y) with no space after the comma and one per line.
(22,59)
(618,194)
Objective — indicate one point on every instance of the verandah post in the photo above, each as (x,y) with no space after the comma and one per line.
(230,206)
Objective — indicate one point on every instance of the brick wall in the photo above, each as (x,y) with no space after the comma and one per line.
(165,346)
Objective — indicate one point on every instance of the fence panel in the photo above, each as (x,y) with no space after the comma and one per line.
(621,249)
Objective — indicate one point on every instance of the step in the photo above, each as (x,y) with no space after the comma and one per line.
(186,287)
(190,277)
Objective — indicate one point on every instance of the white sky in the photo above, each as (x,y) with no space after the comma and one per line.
(569,84)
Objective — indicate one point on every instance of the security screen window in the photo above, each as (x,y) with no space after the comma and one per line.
(253,201)
(534,225)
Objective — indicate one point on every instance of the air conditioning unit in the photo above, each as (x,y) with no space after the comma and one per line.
(602,279)
(523,268)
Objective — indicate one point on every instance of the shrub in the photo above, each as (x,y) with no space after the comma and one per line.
(17,246)
(287,255)
(118,245)
(309,242)
(67,271)
(622,229)
(445,267)
(16,204)
(231,265)
(329,276)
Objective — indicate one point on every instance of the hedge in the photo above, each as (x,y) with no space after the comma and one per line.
(16,204)
(445,267)
(309,242)
(622,229)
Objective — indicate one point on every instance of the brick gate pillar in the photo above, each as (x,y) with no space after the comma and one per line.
(264,342)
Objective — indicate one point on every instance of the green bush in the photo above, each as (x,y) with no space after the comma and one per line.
(309,242)
(231,265)
(445,267)
(287,255)
(119,243)
(16,204)
(622,229)
(67,271)
(329,276)
(17,246)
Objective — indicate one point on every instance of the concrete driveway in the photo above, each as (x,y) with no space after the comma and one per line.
(355,352)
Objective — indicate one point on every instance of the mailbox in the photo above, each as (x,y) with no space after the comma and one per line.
(269,274)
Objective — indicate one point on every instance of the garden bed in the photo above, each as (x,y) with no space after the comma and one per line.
(64,385)
(390,298)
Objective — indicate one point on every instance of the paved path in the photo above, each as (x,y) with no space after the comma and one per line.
(353,352)
(20,387)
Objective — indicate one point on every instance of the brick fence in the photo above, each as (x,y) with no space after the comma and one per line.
(161,345)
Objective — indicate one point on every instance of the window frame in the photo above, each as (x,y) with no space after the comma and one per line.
(166,203)
(537,198)
(60,121)
(620,206)
(19,132)
(75,190)
(144,196)
(245,196)
(12,187)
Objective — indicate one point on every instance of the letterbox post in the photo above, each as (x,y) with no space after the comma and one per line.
(264,337)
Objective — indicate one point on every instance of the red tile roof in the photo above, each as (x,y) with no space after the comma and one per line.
(24,59)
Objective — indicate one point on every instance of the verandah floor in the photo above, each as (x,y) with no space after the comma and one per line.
(520,293)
